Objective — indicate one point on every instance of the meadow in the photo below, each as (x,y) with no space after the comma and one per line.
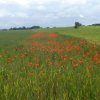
(50,64)
(90,33)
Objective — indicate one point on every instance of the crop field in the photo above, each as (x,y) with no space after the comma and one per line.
(50,64)
(92,33)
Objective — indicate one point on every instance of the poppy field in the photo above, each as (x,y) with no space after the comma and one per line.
(49,66)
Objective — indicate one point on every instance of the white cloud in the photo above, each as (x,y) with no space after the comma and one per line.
(48,12)
(82,16)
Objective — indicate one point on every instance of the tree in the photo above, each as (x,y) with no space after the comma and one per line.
(77,24)
(35,27)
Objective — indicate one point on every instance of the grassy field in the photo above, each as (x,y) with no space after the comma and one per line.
(50,64)
(14,38)
(92,33)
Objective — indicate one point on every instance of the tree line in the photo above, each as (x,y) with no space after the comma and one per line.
(23,28)
(76,25)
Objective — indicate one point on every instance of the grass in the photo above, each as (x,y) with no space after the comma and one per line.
(13,38)
(91,33)
(44,65)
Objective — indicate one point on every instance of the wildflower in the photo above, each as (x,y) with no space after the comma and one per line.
(64,58)
(9,60)
(53,35)
(75,65)
(96,57)
(30,63)
(77,47)
(22,55)
(50,63)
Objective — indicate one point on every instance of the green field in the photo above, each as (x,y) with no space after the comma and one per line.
(50,64)
(92,33)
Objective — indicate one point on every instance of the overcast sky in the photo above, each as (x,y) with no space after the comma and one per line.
(15,13)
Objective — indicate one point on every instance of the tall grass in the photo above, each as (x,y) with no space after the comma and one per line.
(91,33)
(48,66)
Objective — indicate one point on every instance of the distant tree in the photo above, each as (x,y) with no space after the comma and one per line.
(96,24)
(4,29)
(35,27)
(14,28)
(24,28)
(54,27)
(77,24)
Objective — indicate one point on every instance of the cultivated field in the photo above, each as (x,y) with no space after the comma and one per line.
(50,64)
(92,33)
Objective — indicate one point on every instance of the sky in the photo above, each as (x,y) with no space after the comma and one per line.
(48,13)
